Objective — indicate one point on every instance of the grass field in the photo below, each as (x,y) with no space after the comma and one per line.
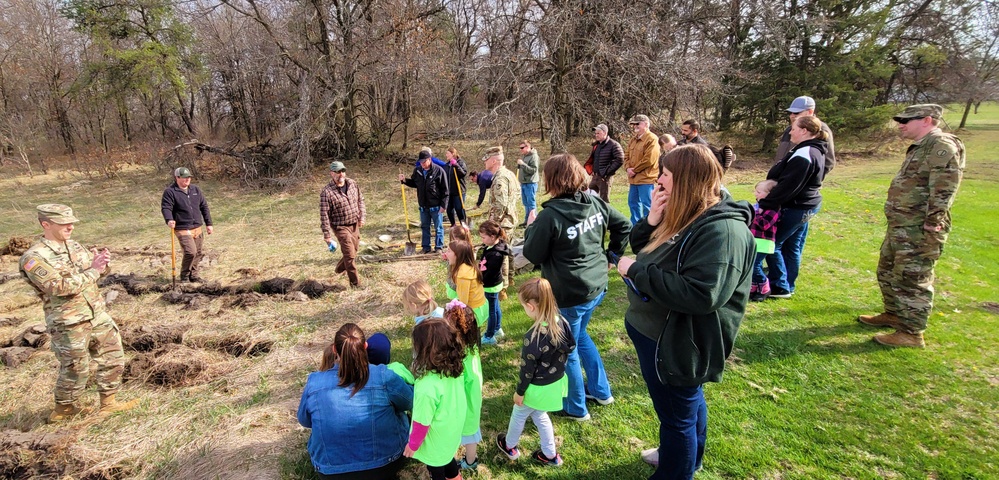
(807,394)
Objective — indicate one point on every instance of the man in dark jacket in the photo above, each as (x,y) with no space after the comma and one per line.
(430,183)
(690,133)
(185,211)
(607,156)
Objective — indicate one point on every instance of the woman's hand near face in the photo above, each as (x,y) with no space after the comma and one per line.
(659,199)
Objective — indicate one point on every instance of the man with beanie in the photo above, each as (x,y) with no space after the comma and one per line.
(341,213)
(185,210)
(430,183)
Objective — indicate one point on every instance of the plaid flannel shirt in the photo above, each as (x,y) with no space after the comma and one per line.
(337,208)
(764,224)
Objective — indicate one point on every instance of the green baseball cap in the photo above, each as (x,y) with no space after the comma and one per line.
(182,172)
(56,213)
(337,167)
(920,111)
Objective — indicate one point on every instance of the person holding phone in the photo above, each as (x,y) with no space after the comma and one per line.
(694,262)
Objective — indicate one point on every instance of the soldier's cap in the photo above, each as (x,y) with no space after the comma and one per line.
(182,172)
(600,127)
(337,167)
(638,119)
(920,111)
(56,213)
(424,156)
(801,104)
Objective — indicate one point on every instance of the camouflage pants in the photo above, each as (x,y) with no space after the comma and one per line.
(76,345)
(507,271)
(905,273)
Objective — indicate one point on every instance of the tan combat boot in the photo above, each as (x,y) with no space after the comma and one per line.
(63,412)
(881,320)
(110,405)
(901,339)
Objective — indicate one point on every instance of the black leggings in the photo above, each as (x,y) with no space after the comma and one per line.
(443,473)
(454,209)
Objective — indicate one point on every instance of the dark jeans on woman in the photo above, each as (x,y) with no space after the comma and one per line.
(495,314)
(784,263)
(682,412)
(388,472)
(456,208)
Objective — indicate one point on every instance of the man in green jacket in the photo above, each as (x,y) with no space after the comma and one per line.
(527,174)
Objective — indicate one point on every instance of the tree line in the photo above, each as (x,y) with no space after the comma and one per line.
(348,78)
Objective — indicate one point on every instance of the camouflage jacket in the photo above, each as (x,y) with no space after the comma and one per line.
(62,276)
(924,188)
(504,196)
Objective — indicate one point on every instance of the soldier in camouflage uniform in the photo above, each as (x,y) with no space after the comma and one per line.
(64,274)
(918,212)
(504,196)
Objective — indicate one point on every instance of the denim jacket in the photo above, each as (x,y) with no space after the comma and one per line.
(351,434)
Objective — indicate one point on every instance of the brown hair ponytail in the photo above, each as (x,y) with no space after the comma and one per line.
(348,349)
(463,320)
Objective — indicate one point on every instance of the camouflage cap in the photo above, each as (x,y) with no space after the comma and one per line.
(182,172)
(56,213)
(920,111)
(337,167)
(639,119)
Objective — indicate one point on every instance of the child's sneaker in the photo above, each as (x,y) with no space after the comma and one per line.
(468,466)
(511,453)
(488,340)
(499,335)
(540,457)
(761,293)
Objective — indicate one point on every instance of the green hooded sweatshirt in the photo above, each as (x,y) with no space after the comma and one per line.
(698,286)
(566,240)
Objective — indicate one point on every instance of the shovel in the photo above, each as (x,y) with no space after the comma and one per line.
(173,258)
(410,248)
(461,200)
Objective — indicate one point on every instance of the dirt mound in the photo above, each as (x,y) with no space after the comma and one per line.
(13,357)
(276,285)
(26,455)
(192,300)
(134,284)
(248,272)
(246,300)
(237,345)
(35,336)
(171,366)
(16,246)
(10,321)
(315,289)
(147,338)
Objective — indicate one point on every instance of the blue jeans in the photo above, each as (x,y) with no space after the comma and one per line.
(528,194)
(639,201)
(585,355)
(495,314)
(682,412)
(428,215)
(783,265)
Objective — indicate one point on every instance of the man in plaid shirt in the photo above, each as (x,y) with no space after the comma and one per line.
(341,213)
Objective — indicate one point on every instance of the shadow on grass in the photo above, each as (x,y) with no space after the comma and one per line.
(833,340)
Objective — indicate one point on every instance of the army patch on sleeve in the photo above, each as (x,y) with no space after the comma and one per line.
(32,263)
(41,272)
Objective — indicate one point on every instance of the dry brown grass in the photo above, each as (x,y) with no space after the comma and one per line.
(232,416)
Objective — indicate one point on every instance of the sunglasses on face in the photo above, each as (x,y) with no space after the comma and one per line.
(903,121)
(523,147)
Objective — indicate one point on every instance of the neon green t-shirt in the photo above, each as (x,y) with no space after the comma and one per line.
(402,371)
(439,402)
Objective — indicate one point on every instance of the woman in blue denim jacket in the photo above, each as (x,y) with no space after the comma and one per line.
(357,413)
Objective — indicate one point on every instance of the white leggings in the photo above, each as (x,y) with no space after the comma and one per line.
(546,433)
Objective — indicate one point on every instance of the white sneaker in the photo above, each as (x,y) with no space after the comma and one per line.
(607,401)
(499,335)
(651,456)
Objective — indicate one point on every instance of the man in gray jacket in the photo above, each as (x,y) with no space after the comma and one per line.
(801,107)
(527,174)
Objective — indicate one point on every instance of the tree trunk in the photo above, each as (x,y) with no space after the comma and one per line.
(964,117)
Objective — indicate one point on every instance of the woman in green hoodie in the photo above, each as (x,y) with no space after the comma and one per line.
(691,281)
